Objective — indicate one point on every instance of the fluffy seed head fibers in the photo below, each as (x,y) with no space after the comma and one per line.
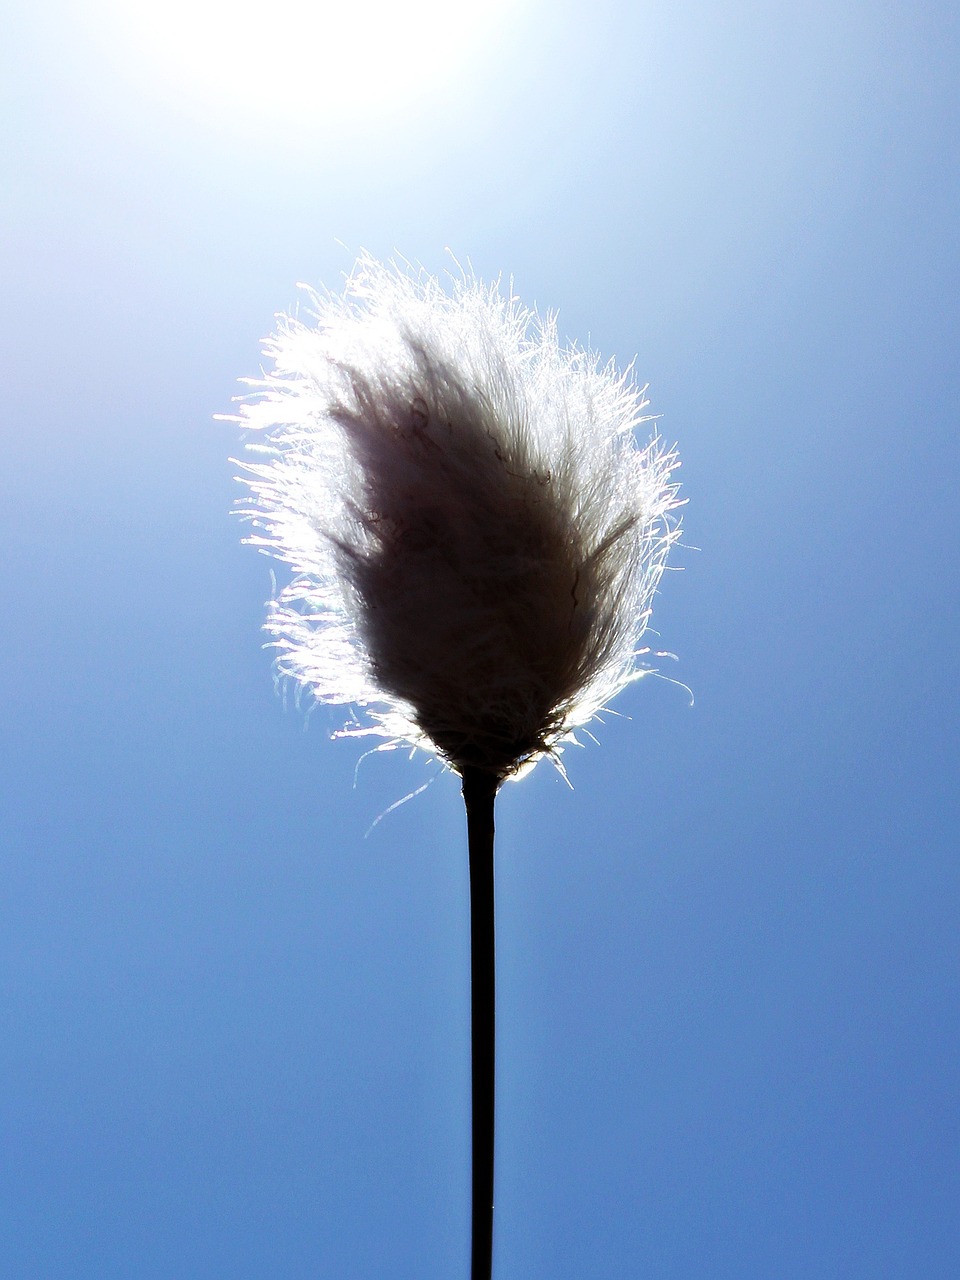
(475,535)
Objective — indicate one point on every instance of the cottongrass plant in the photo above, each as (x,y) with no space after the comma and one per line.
(475,537)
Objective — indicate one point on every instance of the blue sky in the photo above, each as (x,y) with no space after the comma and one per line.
(233,1028)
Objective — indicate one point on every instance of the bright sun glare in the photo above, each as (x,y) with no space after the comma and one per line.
(306,61)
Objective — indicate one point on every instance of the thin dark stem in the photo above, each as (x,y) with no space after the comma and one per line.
(479,794)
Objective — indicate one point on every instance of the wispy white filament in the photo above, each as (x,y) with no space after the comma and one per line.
(476,536)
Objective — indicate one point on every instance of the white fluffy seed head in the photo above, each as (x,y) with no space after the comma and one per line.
(475,535)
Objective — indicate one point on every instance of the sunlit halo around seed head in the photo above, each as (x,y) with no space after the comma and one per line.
(475,534)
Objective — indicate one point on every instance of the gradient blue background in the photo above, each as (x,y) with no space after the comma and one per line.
(234,1031)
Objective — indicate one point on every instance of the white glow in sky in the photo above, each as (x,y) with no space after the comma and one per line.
(305,62)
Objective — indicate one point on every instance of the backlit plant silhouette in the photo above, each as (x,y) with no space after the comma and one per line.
(475,537)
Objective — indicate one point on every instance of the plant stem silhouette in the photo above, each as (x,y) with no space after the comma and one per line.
(479,795)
